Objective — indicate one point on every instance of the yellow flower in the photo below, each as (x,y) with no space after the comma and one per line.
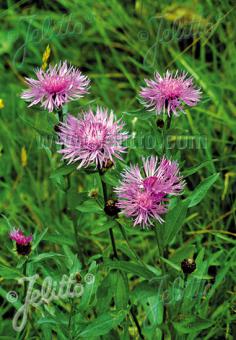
(23,156)
(45,58)
(1,104)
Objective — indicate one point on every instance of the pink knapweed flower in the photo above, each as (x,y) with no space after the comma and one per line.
(56,86)
(93,138)
(144,194)
(169,93)
(18,236)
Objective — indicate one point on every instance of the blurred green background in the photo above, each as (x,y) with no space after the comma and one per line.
(117,44)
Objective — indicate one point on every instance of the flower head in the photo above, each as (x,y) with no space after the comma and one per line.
(95,138)
(18,236)
(143,195)
(169,93)
(56,86)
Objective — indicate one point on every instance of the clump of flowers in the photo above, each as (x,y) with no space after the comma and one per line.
(56,86)
(169,93)
(143,194)
(23,243)
(95,138)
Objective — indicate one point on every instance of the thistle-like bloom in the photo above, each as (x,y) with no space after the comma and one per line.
(95,138)
(144,194)
(19,237)
(56,86)
(169,93)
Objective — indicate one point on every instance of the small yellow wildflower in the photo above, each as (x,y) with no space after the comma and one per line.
(23,156)
(45,58)
(1,104)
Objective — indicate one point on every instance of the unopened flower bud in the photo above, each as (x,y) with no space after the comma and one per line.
(160,123)
(188,266)
(111,208)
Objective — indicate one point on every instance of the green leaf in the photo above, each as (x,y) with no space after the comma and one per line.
(186,251)
(9,273)
(195,169)
(90,206)
(75,198)
(111,178)
(103,324)
(174,221)
(39,238)
(171,264)
(45,256)
(64,170)
(191,325)
(121,291)
(131,267)
(106,225)
(201,190)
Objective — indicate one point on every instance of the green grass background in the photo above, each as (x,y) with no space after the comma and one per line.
(118,44)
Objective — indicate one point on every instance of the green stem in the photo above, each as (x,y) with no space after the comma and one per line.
(168,124)
(166,128)
(104,187)
(113,243)
(25,273)
(112,238)
(159,247)
(123,232)
(132,311)
(80,253)
(60,114)
(163,269)
(133,314)
(73,215)
(70,319)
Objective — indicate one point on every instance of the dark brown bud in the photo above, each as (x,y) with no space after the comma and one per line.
(93,193)
(78,278)
(23,249)
(106,166)
(160,123)
(111,208)
(188,266)
(57,127)
(212,270)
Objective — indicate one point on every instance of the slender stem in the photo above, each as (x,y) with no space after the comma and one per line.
(25,273)
(132,312)
(122,230)
(168,124)
(113,243)
(163,268)
(73,215)
(104,186)
(60,114)
(70,319)
(160,250)
(80,253)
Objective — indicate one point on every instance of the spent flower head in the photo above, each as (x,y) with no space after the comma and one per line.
(169,93)
(143,194)
(55,86)
(94,138)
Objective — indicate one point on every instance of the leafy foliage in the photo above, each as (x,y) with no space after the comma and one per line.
(118,44)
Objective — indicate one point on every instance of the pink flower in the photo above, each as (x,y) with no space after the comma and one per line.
(94,138)
(18,236)
(56,86)
(143,195)
(169,93)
